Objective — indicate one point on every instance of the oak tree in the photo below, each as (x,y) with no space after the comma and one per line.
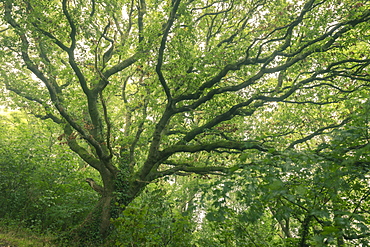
(145,89)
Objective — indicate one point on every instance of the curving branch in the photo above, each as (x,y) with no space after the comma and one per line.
(214,13)
(152,173)
(115,69)
(233,111)
(50,85)
(52,37)
(71,50)
(227,145)
(72,25)
(93,4)
(217,170)
(82,152)
(95,186)
(187,169)
(47,108)
(162,47)
(319,132)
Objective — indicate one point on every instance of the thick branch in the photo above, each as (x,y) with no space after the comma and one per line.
(140,17)
(153,156)
(233,111)
(95,186)
(57,101)
(92,8)
(71,23)
(242,145)
(71,50)
(192,169)
(115,69)
(158,67)
(52,37)
(82,152)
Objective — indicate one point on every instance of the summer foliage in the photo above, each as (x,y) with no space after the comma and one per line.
(257,110)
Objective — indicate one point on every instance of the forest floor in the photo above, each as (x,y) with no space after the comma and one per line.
(4,243)
(21,237)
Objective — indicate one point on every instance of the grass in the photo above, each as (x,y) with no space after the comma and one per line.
(17,236)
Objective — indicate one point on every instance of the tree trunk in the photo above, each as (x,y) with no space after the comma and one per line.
(95,228)
(117,193)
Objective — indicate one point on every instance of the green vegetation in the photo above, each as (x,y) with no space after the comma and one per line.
(185,123)
(15,235)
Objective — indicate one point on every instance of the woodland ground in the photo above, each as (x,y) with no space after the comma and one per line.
(20,237)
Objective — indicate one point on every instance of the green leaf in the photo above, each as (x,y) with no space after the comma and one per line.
(215,216)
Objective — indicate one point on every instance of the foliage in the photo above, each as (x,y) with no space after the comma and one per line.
(154,219)
(311,198)
(38,177)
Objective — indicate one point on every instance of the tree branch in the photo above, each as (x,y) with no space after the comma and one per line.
(238,145)
(57,101)
(82,152)
(318,132)
(71,50)
(72,25)
(115,69)
(294,57)
(92,8)
(95,186)
(162,47)
(140,17)
(47,108)
(217,170)
(153,158)
(214,13)
(107,123)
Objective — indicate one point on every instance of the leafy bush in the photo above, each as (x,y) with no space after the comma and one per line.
(153,219)
(41,183)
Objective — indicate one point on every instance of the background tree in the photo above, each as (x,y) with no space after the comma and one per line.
(148,89)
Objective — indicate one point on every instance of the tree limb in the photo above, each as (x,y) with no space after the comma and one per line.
(82,152)
(217,170)
(95,186)
(241,145)
(140,17)
(318,132)
(162,47)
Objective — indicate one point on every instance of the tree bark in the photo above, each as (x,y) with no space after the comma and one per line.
(115,196)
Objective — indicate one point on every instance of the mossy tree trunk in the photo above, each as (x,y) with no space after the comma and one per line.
(116,193)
